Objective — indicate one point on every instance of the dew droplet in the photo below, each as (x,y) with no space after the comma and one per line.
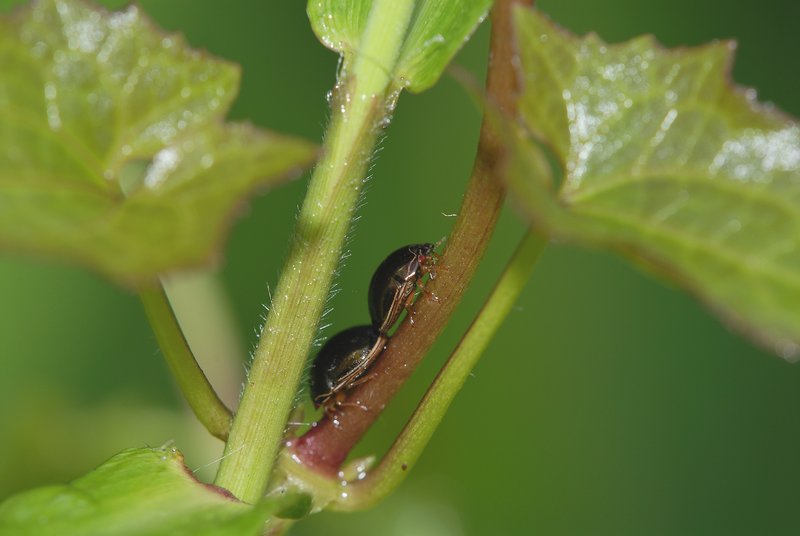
(787,349)
(163,164)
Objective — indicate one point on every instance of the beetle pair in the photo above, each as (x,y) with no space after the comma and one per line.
(344,360)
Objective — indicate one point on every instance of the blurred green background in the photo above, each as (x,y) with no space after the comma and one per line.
(609,403)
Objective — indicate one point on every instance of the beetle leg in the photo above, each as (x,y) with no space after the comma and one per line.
(333,410)
(354,405)
(407,305)
(430,295)
(427,293)
(323,399)
(363,379)
(296,418)
(433,267)
(429,264)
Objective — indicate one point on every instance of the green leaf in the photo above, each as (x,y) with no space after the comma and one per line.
(662,159)
(438,29)
(113,153)
(139,492)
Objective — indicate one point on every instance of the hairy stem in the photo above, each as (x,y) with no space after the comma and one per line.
(363,100)
(192,382)
(325,447)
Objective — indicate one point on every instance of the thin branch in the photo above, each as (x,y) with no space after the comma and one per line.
(191,380)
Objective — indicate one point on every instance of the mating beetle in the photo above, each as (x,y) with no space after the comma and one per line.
(342,361)
(392,287)
(346,357)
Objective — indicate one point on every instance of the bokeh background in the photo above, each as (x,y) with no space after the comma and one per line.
(609,403)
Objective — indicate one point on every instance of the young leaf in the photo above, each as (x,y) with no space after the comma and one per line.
(667,162)
(438,29)
(139,492)
(113,153)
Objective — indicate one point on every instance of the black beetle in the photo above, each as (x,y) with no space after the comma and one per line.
(392,287)
(342,361)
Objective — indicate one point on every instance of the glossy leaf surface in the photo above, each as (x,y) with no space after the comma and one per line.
(113,153)
(662,159)
(437,31)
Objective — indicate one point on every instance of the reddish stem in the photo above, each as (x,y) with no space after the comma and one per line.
(327,445)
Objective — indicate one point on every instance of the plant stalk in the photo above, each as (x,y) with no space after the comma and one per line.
(326,446)
(205,315)
(364,99)
(191,380)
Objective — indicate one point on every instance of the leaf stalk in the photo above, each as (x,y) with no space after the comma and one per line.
(191,380)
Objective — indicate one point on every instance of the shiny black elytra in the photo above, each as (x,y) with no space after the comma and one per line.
(394,282)
(342,361)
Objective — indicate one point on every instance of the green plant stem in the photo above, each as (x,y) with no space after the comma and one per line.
(409,445)
(325,447)
(364,99)
(205,314)
(192,382)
